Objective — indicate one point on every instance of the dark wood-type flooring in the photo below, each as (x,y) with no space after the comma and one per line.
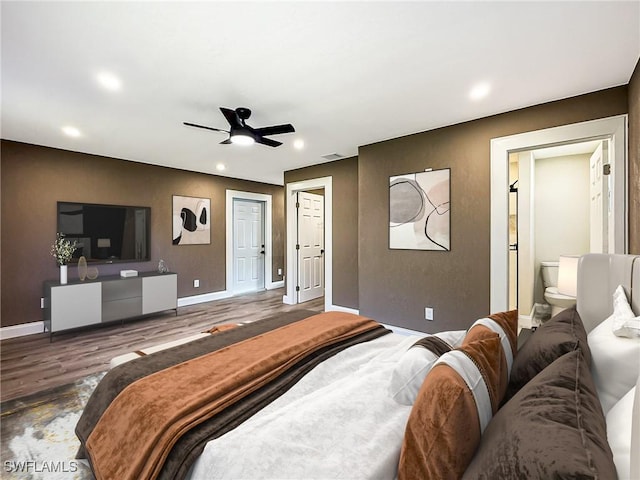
(32,363)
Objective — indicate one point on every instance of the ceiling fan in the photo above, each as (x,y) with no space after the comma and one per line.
(242,134)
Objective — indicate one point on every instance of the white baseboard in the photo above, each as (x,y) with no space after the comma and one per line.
(274,285)
(288,301)
(21,330)
(205,297)
(525,321)
(338,308)
(403,331)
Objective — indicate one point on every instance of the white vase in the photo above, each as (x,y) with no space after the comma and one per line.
(63,274)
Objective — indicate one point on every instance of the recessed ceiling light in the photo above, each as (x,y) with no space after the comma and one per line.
(109,81)
(71,131)
(298,144)
(221,167)
(480,91)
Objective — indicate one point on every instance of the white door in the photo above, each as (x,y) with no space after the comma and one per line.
(310,246)
(248,246)
(598,208)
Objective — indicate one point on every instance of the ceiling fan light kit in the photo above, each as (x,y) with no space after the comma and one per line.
(242,134)
(241,139)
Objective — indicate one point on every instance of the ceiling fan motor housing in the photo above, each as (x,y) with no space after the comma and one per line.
(241,133)
(243,113)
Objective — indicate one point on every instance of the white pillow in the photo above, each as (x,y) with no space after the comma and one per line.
(413,366)
(625,323)
(615,363)
(619,434)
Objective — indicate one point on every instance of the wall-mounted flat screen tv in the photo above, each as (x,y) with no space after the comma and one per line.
(106,233)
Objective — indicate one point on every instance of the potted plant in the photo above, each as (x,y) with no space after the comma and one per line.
(62,250)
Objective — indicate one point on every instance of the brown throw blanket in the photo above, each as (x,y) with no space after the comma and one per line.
(137,431)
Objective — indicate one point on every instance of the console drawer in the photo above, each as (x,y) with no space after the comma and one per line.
(119,309)
(121,289)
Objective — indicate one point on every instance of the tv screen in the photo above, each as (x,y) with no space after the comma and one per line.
(106,233)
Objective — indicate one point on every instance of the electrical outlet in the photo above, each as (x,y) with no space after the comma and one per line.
(196,283)
(428,313)
(279,271)
(41,302)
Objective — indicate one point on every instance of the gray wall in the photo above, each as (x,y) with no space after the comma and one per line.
(344,175)
(35,178)
(395,285)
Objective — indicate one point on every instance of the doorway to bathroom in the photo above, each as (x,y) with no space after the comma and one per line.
(562,194)
(530,192)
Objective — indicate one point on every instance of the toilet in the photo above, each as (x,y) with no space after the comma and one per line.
(552,295)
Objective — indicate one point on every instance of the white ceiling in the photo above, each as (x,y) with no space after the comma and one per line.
(345,74)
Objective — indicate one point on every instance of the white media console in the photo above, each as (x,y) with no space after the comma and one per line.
(92,302)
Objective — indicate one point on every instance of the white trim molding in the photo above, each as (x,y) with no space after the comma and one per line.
(338,308)
(275,285)
(268,240)
(290,297)
(403,331)
(613,128)
(21,330)
(205,297)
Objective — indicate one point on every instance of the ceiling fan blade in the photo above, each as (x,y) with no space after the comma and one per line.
(231,116)
(275,129)
(226,142)
(208,128)
(268,142)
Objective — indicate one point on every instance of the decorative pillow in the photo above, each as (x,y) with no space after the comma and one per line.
(625,323)
(453,407)
(415,363)
(509,323)
(505,324)
(619,433)
(561,334)
(616,363)
(552,428)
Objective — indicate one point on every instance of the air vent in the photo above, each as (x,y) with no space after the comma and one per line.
(332,156)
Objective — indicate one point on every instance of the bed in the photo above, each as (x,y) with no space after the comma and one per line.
(336,395)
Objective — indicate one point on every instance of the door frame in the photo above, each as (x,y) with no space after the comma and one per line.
(299,263)
(290,298)
(614,128)
(268,240)
(260,205)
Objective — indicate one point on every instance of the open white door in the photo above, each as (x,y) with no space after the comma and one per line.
(310,246)
(598,224)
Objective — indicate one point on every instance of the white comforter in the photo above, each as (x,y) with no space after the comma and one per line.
(339,421)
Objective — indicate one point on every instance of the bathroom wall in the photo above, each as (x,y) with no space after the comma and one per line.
(561,210)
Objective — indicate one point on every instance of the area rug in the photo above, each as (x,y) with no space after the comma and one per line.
(37,433)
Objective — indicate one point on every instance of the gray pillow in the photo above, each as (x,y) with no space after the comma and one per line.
(561,334)
(552,428)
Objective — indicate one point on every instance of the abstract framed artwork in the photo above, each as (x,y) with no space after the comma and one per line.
(419,211)
(191,220)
